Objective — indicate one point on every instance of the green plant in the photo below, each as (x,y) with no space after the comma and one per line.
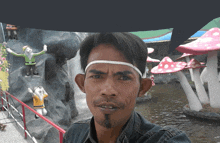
(4,65)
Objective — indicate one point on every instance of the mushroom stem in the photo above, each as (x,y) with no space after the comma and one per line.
(219,76)
(213,82)
(203,97)
(193,100)
(146,72)
(204,75)
(190,70)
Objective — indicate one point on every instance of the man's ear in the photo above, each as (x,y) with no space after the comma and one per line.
(146,84)
(80,79)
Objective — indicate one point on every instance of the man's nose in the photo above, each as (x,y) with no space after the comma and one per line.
(109,87)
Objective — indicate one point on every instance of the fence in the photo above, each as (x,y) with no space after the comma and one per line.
(61,131)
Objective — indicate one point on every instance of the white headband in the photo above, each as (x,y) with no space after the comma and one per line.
(113,62)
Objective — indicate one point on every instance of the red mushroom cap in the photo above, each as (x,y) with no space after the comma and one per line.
(168,66)
(149,59)
(150,50)
(207,42)
(184,55)
(194,64)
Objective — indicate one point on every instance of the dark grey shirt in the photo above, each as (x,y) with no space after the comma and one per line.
(136,130)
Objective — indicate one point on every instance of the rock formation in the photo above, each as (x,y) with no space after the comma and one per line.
(53,76)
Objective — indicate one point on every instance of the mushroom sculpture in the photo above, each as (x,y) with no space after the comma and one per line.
(150,50)
(187,57)
(168,66)
(209,44)
(195,66)
(149,60)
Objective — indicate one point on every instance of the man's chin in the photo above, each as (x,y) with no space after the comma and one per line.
(104,121)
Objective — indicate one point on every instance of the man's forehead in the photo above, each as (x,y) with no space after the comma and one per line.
(95,68)
(122,66)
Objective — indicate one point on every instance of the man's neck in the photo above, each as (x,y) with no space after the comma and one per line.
(105,135)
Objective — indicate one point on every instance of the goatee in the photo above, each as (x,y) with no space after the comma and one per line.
(107,123)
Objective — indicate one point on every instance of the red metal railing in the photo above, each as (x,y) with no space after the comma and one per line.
(61,131)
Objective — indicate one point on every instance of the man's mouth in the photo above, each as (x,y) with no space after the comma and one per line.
(108,108)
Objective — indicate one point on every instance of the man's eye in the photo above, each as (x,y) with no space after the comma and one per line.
(96,76)
(125,78)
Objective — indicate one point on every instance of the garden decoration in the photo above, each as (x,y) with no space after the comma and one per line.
(12,31)
(4,65)
(209,44)
(38,100)
(152,79)
(195,66)
(29,58)
(150,50)
(151,60)
(187,57)
(168,66)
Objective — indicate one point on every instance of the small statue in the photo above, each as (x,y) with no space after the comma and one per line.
(29,58)
(38,100)
(2,126)
(12,29)
(152,79)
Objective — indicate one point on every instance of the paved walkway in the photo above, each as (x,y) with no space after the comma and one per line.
(13,133)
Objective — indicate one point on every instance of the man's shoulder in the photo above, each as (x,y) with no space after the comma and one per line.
(87,121)
(77,131)
(156,133)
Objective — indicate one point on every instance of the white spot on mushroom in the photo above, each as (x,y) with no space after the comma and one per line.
(208,47)
(172,66)
(160,69)
(166,66)
(161,65)
(215,34)
(218,45)
(212,29)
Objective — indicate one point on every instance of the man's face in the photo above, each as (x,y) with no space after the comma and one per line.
(111,89)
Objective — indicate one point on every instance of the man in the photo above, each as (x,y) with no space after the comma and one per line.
(113,64)
(29,58)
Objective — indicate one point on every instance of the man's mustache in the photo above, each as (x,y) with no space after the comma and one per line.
(108,100)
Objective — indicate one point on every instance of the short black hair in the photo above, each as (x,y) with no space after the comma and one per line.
(130,45)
